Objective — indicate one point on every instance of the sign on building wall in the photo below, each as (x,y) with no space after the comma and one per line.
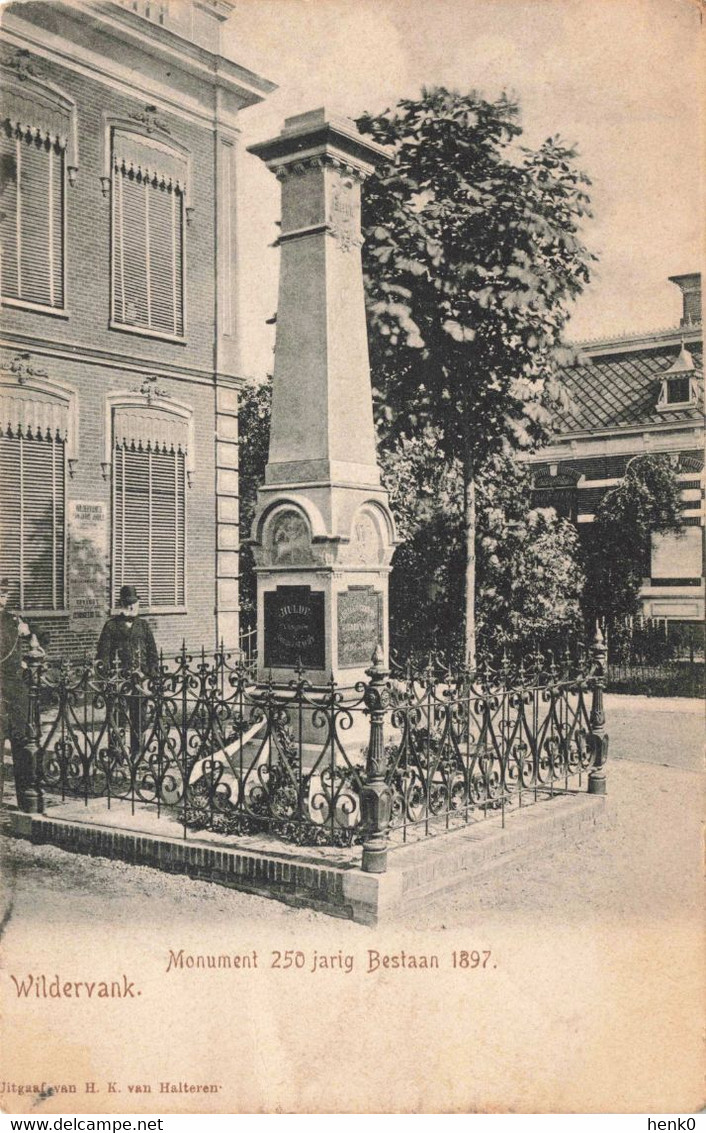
(359,626)
(88,563)
(678,556)
(294,628)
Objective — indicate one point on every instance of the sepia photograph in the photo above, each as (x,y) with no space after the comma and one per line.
(351,557)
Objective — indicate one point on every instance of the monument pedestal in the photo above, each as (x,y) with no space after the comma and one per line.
(323,534)
(323,623)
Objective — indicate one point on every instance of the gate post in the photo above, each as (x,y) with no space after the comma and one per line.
(597,737)
(376,796)
(33,799)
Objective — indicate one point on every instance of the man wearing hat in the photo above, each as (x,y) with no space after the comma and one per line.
(127,638)
(14,695)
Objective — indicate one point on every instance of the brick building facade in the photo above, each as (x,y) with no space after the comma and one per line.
(119,338)
(633,395)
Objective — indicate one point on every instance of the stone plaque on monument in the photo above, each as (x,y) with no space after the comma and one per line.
(88,563)
(360,626)
(294,628)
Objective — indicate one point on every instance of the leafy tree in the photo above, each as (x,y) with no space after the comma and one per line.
(528,579)
(472,257)
(617,545)
(254,431)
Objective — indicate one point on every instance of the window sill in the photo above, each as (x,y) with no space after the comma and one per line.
(145,332)
(37,308)
(682,582)
(153,611)
(665,406)
(28,615)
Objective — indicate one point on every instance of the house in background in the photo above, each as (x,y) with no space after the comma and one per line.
(119,339)
(632,395)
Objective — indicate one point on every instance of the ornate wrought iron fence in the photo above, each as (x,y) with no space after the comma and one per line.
(202,739)
(477,743)
(418,753)
(248,647)
(656,656)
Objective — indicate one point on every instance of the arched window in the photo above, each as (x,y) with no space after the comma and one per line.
(151,447)
(37,436)
(37,145)
(148,185)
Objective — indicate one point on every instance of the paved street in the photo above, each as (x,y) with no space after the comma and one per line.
(656,730)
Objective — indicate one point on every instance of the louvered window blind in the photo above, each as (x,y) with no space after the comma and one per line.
(148,524)
(31,217)
(147,253)
(32,520)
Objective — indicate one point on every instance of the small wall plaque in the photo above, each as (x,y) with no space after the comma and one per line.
(88,563)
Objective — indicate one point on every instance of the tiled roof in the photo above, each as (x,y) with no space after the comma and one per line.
(618,390)
(630,336)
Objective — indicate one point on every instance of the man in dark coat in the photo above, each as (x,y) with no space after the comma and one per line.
(128,640)
(14,694)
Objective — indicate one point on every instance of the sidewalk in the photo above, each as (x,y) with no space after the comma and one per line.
(666,731)
(642,864)
(681,705)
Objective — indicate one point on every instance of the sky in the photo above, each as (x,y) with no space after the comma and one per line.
(621,79)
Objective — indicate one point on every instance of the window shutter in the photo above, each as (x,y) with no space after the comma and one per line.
(165,231)
(178,257)
(32,471)
(148,524)
(42,504)
(8,212)
(130,259)
(35,273)
(32,221)
(10,514)
(167,534)
(56,205)
(131,560)
(148,234)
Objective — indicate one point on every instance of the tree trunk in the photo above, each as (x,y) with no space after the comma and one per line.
(469,522)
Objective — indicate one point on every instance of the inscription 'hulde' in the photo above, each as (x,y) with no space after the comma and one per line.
(294,628)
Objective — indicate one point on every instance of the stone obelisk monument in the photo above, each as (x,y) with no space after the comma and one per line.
(323,534)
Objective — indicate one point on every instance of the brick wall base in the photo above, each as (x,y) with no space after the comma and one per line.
(415,874)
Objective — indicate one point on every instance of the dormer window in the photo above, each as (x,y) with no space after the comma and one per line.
(678,387)
(678,391)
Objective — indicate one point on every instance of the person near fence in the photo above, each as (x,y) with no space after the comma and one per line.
(14,696)
(127,640)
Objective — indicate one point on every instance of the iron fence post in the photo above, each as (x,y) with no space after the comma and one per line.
(376,796)
(597,737)
(32,801)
